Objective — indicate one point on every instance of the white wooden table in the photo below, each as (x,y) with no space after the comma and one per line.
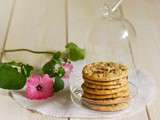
(42,25)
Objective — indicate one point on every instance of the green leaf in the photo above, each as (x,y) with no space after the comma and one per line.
(53,67)
(26,70)
(48,68)
(59,84)
(13,63)
(60,72)
(56,55)
(74,52)
(10,78)
(55,61)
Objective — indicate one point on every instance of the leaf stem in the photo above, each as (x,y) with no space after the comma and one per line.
(28,50)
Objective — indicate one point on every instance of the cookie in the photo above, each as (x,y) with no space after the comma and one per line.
(107,101)
(99,97)
(103,91)
(114,82)
(106,108)
(89,85)
(104,71)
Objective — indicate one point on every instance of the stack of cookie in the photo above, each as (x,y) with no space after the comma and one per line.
(105,86)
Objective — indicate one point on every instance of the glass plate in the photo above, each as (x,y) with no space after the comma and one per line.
(67,102)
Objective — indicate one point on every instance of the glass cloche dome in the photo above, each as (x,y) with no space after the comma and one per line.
(110,36)
(109,40)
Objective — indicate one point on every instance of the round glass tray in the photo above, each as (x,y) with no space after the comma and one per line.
(142,89)
(67,102)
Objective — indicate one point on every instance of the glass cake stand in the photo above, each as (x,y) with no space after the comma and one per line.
(109,40)
(142,91)
(60,105)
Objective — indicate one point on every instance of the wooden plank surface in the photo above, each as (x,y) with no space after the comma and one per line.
(36,25)
(6,103)
(40,25)
(6,6)
(145,17)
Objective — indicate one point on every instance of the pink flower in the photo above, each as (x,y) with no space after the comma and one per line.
(39,87)
(68,69)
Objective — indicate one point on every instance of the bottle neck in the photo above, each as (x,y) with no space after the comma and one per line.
(109,9)
(106,12)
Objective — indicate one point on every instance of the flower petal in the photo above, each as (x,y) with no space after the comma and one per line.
(45,82)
